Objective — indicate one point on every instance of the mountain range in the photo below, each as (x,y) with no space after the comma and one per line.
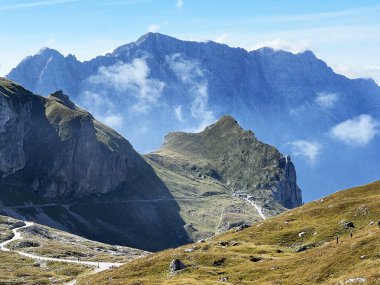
(159,84)
(61,167)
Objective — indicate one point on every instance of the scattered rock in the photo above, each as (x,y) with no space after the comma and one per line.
(218,262)
(357,280)
(74,253)
(176,265)
(362,210)
(364,257)
(201,241)
(234,243)
(371,223)
(224,243)
(191,249)
(305,247)
(224,279)
(378,224)
(26,243)
(255,258)
(17,225)
(279,251)
(301,234)
(347,224)
(241,227)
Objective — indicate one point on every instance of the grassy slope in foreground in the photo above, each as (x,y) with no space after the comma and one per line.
(275,241)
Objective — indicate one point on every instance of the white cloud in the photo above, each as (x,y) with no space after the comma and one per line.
(131,79)
(178,113)
(191,74)
(326,100)
(279,44)
(114,120)
(180,3)
(358,131)
(306,149)
(222,38)
(359,71)
(154,28)
(102,108)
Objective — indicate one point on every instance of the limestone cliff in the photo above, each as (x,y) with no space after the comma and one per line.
(58,149)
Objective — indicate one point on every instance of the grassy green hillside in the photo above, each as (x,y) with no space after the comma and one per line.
(296,247)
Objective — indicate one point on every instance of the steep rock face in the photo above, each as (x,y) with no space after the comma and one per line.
(62,168)
(225,152)
(58,149)
(12,116)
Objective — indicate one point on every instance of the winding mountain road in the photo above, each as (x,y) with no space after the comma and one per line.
(98,266)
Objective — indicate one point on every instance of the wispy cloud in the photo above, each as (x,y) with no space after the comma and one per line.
(154,28)
(193,76)
(180,3)
(358,131)
(222,38)
(131,79)
(317,16)
(35,4)
(306,149)
(126,2)
(372,72)
(326,100)
(178,113)
(102,108)
(279,44)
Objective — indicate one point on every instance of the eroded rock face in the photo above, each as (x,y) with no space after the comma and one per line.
(58,149)
(12,157)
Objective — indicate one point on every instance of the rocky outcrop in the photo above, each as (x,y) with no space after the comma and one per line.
(176,265)
(227,153)
(58,149)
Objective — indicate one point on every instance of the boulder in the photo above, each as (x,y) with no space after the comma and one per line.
(305,247)
(218,262)
(255,258)
(347,224)
(176,265)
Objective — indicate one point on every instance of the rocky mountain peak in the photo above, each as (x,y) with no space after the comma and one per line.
(62,98)
(226,152)
(225,123)
(48,52)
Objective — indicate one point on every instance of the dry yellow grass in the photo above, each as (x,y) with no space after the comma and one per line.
(15,269)
(275,241)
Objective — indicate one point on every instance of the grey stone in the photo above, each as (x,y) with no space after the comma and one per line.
(176,265)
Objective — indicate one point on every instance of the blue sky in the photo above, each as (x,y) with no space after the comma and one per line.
(344,33)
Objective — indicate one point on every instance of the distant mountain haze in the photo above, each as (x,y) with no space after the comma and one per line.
(329,124)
